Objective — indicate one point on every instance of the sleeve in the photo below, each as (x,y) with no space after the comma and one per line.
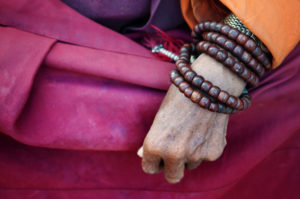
(276,23)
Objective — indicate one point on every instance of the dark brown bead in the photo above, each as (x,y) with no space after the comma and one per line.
(178,80)
(184,69)
(260,69)
(251,78)
(238,68)
(238,50)
(239,105)
(233,34)
(245,74)
(214,36)
(221,40)
(212,51)
(246,57)
(180,65)
(229,62)
(232,101)
(218,27)
(186,58)
(213,25)
(250,45)
(188,92)
(214,91)
(183,85)
(196,96)
(221,108)
(223,96)
(196,29)
(197,81)
(253,63)
(261,57)
(199,46)
(208,35)
(225,29)
(180,61)
(229,45)
(228,110)
(189,76)
(194,34)
(213,107)
(206,85)
(206,45)
(245,103)
(206,25)
(241,39)
(201,27)
(184,54)
(174,74)
(221,56)
(257,51)
(204,102)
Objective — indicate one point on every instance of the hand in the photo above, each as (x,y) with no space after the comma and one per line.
(184,134)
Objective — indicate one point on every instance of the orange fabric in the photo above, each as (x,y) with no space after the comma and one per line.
(275,22)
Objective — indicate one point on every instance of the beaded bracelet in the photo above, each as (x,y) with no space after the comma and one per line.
(236,50)
(233,34)
(226,59)
(196,96)
(183,66)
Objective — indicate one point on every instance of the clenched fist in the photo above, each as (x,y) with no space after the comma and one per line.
(184,134)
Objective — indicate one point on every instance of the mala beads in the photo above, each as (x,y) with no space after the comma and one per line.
(229,46)
(226,59)
(233,103)
(236,50)
(234,34)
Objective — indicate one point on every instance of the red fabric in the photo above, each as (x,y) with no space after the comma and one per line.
(81,98)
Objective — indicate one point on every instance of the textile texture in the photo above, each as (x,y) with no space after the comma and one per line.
(78,98)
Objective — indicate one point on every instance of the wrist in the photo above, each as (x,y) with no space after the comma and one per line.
(219,75)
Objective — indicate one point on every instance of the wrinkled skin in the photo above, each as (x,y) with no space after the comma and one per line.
(184,134)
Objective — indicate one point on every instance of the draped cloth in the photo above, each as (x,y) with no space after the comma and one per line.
(77,99)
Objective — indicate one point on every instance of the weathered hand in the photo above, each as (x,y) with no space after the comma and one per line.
(183,134)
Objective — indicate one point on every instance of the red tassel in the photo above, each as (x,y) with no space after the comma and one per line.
(169,43)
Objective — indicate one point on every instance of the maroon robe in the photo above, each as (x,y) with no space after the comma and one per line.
(76,100)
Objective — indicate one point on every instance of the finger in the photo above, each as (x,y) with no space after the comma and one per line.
(140,152)
(193,165)
(151,163)
(174,170)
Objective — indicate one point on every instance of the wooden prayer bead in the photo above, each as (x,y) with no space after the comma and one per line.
(223,96)
(197,81)
(189,76)
(183,85)
(236,35)
(236,50)
(188,92)
(206,85)
(196,96)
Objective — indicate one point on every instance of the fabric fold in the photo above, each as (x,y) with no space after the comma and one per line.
(21,56)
